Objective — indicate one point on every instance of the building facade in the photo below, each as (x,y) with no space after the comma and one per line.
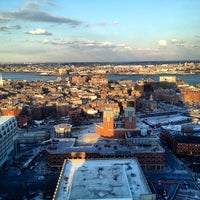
(8,135)
(182,142)
(110,129)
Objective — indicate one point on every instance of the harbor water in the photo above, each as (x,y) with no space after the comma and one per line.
(34,76)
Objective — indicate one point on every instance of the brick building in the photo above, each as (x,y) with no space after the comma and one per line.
(111,129)
(151,157)
(79,79)
(182,141)
(99,80)
(186,145)
(167,95)
(117,139)
(190,94)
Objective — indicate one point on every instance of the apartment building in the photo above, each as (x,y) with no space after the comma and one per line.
(8,135)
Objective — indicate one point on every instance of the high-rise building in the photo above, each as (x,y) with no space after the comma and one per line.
(1,80)
(8,135)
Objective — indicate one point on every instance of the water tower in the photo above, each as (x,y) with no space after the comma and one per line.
(63,130)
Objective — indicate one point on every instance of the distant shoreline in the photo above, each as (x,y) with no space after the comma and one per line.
(109,62)
(159,74)
(34,76)
(109,74)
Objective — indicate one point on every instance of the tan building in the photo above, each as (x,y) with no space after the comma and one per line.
(170,79)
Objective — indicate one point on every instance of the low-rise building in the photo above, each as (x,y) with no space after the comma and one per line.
(182,140)
(102,179)
(116,140)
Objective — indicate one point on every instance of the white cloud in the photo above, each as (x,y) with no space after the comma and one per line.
(178,43)
(4,19)
(92,50)
(162,43)
(38,31)
(174,40)
(91,45)
(104,45)
(115,22)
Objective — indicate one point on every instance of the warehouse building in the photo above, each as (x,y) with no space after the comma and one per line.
(102,179)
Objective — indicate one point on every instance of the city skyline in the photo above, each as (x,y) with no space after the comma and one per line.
(99,31)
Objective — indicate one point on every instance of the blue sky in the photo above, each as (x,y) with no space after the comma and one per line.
(99,30)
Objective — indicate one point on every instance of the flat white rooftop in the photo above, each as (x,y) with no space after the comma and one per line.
(114,148)
(165,119)
(3,119)
(113,179)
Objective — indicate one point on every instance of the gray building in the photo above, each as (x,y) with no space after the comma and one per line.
(8,135)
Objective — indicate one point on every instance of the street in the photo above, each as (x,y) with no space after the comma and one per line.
(15,186)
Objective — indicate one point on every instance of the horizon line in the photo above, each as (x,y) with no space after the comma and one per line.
(104,62)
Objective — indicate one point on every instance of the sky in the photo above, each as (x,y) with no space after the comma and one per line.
(99,30)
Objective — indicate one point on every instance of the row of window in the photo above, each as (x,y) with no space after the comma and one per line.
(190,145)
(12,121)
(4,130)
